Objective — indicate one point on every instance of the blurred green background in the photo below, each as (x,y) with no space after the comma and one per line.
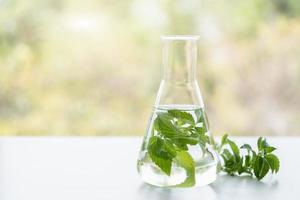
(70,67)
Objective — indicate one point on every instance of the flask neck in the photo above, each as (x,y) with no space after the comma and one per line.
(179,58)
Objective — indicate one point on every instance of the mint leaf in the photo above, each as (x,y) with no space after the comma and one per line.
(161,154)
(155,126)
(204,139)
(261,167)
(165,125)
(262,144)
(180,145)
(182,116)
(247,161)
(200,130)
(269,149)
(187,140)
(254,156)
(259,143)
(164,164)
(257,166)
(227,155)
(224,139)
(273,161)
(246,146)
(169,147)
(199,114)
(234,149)
(185,160)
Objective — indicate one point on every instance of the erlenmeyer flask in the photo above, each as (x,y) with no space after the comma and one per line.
(177,148)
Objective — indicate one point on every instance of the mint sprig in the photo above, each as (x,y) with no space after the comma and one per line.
(172,132)
(251,162)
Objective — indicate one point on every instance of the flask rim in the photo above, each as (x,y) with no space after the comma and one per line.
(179,37)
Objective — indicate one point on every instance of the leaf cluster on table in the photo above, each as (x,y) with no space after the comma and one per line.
(257,163)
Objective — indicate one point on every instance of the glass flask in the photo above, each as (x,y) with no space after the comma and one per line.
(177,150)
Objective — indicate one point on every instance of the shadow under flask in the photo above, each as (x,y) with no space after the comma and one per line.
(177,150)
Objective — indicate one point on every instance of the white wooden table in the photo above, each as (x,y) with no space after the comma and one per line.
(104,168)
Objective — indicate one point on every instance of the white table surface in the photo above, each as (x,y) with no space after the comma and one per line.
(104,168)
